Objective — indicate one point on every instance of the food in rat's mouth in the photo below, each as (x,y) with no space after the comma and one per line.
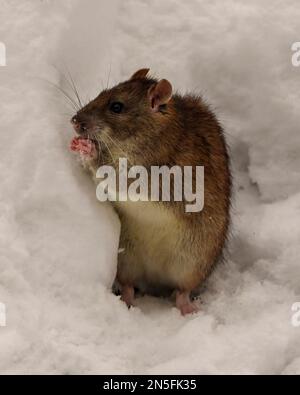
(83,145)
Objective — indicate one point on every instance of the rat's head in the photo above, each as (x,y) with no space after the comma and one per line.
(129,117)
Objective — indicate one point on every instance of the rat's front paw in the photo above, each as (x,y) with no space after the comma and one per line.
(85,147)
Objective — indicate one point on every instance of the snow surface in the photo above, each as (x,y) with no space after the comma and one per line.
(58,245)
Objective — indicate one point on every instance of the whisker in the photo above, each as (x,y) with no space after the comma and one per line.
(74,88)
(95,138)
(107,147)
(71,85)
(108,75)
(109,152)
(67,114)
(116,145)
(65,94)
(70,81)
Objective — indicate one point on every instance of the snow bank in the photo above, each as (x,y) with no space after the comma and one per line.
(58,245)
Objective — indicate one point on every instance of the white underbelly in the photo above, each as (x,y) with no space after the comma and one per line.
(154,233)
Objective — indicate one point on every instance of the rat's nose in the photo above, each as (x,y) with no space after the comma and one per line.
(79,125)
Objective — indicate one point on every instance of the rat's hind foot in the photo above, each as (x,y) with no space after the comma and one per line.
(184,303)
(127,295)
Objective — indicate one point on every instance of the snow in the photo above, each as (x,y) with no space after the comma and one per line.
(58,245)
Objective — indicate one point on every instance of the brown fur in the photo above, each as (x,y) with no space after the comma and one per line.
(165,247)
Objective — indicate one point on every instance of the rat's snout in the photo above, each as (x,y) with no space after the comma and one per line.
(80,124)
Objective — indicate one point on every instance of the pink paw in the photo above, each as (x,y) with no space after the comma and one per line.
(127,295)
(184,304)
(84,146)
(189,308)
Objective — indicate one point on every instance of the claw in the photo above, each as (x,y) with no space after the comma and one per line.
(127,295)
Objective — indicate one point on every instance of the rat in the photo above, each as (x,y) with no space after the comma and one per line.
(164,248)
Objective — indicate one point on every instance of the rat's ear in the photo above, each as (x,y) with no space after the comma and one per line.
(142,73)
(159,94)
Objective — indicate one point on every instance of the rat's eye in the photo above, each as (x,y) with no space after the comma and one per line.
(116,107)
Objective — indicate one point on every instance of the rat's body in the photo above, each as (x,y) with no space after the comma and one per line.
(165,248)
